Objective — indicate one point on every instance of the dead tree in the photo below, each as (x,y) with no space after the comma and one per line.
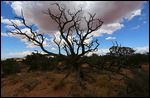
(75,48)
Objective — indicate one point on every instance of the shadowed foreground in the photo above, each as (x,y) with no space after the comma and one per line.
(49,84)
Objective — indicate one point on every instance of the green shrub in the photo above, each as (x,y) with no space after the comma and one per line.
(137,59)
(10,66)
(37,61)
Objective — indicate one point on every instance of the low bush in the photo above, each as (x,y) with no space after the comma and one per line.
(107,88)
(37,61)
(138,85)
(10,66)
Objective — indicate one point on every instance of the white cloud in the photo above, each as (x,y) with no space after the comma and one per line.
(9,27)
(4,34)
(45,44)
(104,51)
(99,52)
(110,14)
(20,36)
(133,14)
(30,45)
(7,2)
(136,27)
(87,41)
(109,29)
(17,54)
(144,22)
(140,18)
(110,38)
(7,21)
(53,48)
(142,49)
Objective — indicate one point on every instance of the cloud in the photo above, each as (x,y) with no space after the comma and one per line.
(53,48)
(17,54)
(99,52)
(20,36)
(7,21)
(4,34)
(140,18)
(45,44)
(135,13)
(29,44)
(144,22)
(110,14)
(142,49)
(108,29)
(9,27)
(110,38)
(7,2)
(136,27)
(104,51)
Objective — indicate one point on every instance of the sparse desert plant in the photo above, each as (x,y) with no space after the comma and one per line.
(50,76)
(107,88)
(138,85)
(27,86)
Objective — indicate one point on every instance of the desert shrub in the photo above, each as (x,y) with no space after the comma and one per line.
(37,61)
(50,76)
(107,88)
(10,66)
(138,85)
(94,59)
(137,59)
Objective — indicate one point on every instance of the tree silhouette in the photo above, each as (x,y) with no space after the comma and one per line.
(74,56)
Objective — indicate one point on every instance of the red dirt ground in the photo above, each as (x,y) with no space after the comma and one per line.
(43,89)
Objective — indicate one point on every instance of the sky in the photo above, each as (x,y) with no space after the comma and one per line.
(126,22)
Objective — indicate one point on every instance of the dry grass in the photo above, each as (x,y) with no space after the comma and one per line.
(107,88)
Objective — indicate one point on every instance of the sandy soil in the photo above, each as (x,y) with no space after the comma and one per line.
(36,85)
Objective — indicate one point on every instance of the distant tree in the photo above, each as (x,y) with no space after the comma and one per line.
(120,51)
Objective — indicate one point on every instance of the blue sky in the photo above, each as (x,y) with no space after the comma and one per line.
(131,30)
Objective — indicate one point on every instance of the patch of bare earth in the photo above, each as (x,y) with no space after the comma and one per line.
(32,86)
(46,84)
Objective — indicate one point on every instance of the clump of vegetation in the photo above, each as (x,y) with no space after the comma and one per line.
(51,76)
(10,66)
(107,88)
(138,85)
(37,61)
(137,59)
